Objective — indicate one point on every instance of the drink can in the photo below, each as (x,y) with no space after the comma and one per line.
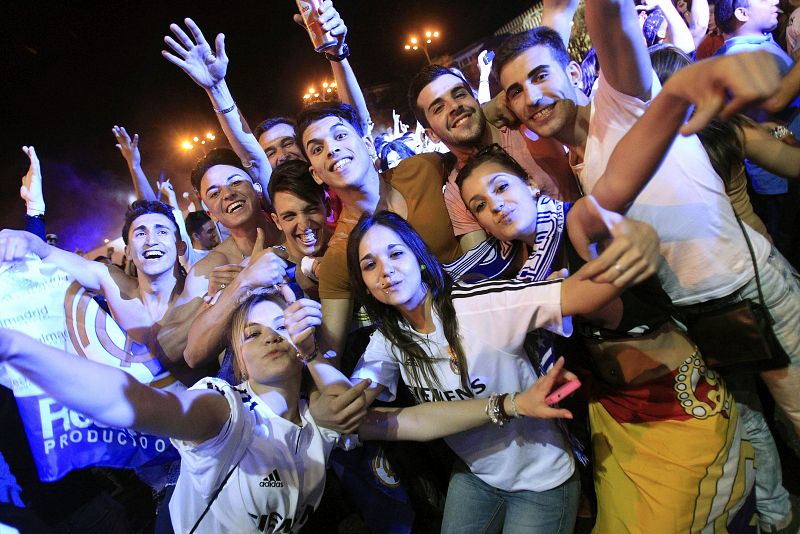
(309,10)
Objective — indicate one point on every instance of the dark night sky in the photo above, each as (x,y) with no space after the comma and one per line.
(73,69)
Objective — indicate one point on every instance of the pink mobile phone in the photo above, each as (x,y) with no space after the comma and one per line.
(562,392)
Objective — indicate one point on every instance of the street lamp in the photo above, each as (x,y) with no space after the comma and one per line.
(192,143)
(326,93)
(422,44)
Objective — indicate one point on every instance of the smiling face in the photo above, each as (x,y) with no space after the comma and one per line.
(302,222)
(540,91)
(455,117)
(264,354)
(390,269)
(502,202)
(229,195)
(153,244)
(339,157)
(280,144)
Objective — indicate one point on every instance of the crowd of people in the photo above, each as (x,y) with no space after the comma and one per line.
(331,295)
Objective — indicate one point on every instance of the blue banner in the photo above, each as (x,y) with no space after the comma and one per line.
(43,302)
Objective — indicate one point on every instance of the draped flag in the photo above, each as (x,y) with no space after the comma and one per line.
(45,303)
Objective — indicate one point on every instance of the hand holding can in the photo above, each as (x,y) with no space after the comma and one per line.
(309,10)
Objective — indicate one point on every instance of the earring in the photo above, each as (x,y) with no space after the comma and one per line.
(421,266)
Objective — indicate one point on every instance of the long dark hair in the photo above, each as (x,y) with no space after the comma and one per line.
(391,322)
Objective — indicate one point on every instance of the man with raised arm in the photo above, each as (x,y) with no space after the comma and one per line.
(274,140)
(707,260)
(141,305)
(129,148)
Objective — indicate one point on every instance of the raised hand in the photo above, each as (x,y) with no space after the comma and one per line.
(331,22)
(265,268)
(301,319)
(194,55)
(31,188)
(633,255)
(530,402)
(724,86)
(166,189)
(127,147)
(484,67)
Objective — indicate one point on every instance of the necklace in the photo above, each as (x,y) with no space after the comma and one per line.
(454,361)
(453,357)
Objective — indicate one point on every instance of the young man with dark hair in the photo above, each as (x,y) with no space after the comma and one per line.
(202,231)
(707,261)
(277,137)
(339,155)
(444,104)
(229,196)
(301,213)
(143,304)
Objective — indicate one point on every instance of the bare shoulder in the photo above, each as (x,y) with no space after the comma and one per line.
(115,280)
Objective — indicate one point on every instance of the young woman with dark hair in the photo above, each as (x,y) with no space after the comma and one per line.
(650,384)
(450,343)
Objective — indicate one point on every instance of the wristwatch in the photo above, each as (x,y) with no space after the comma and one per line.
(338,58)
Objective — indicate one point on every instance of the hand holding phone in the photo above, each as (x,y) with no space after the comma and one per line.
(562,392)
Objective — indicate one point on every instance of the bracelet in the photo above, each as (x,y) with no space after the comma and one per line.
(493,409)
(308,358)
(226,110)
(501,405)
(338,58)
(779,132)
(514,410)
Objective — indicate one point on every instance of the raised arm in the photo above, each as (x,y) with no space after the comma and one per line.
(678,32)
(130,151)
(433,420)
(722,85)
(558,15)
(207,68)
(31,192)
(336,314)
(699,17)
(617,37)
(122,401)
(346,83)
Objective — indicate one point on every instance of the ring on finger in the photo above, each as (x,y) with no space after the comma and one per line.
(620,269)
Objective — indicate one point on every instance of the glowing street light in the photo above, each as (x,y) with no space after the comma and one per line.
(198,141)
(327,92)
(422,44)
